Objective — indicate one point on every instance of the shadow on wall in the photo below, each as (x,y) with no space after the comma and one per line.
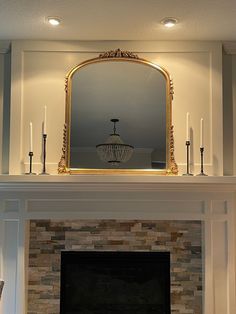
(6,113)
(228,131)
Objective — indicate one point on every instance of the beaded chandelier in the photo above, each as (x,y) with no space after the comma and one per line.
(114,151)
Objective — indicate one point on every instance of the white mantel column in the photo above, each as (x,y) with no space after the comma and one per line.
(9,260)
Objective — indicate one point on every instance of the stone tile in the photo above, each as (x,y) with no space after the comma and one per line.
(49,237)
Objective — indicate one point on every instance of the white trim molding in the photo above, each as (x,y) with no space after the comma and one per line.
(4,46)
(230,47)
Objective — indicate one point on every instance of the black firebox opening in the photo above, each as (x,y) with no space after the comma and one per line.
(115,282)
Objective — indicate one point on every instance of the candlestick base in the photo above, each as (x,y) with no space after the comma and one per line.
(202,174)
(187,159)
(43,173)
(30,173)
(31,154)
(202,163)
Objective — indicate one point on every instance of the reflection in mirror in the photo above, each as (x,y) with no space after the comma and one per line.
(114,151)
(133,93)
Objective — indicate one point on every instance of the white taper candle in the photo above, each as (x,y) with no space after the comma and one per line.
(31,137)
(187,127)
(201,133)
(45,120)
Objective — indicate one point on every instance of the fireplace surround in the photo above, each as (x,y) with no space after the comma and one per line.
(51,238)
(117,202)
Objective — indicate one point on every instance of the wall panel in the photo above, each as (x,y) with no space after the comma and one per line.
(38,74)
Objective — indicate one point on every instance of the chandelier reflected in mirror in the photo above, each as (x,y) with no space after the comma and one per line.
(114,151)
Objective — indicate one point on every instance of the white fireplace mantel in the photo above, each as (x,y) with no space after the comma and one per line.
(66,182)
(208,199)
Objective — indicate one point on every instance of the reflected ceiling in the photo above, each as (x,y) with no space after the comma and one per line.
(133,93)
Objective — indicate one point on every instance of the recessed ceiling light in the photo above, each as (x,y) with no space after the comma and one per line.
(169,21)
(53,20)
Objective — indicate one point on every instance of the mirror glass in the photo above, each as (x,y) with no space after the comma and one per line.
(132,93)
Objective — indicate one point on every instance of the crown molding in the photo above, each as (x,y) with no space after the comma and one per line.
(230,47)
(5,46)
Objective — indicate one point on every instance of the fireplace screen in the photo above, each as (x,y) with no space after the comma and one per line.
(115,282)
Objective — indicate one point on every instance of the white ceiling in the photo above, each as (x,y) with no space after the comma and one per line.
(118,19)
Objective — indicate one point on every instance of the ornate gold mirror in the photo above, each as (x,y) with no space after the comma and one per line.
(118,117)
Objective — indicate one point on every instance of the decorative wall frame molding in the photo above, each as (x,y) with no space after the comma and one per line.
(22,50)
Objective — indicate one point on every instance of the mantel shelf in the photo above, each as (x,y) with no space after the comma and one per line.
(115,182)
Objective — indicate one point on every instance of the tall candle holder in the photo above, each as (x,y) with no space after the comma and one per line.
(1,287)
(202,162)
(44,155)
(187,155)
(31,154)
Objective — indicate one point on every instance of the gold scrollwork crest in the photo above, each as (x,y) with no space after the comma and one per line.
(118,53)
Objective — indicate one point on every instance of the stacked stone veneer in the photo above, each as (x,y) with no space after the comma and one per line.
(48,237)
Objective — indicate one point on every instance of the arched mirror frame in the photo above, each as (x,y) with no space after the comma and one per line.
(117,56)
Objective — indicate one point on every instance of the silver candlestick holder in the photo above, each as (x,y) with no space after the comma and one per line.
(187,159)
(202,162)
(31,154)
(44,155)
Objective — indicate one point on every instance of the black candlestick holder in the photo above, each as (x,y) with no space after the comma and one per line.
(187,157)
(31,154)
(202,162)
(44,155)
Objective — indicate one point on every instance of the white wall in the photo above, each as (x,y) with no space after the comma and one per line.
(229,96)
(234,107)
(228,127)
(1,105)
(5,67)
(39,69)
